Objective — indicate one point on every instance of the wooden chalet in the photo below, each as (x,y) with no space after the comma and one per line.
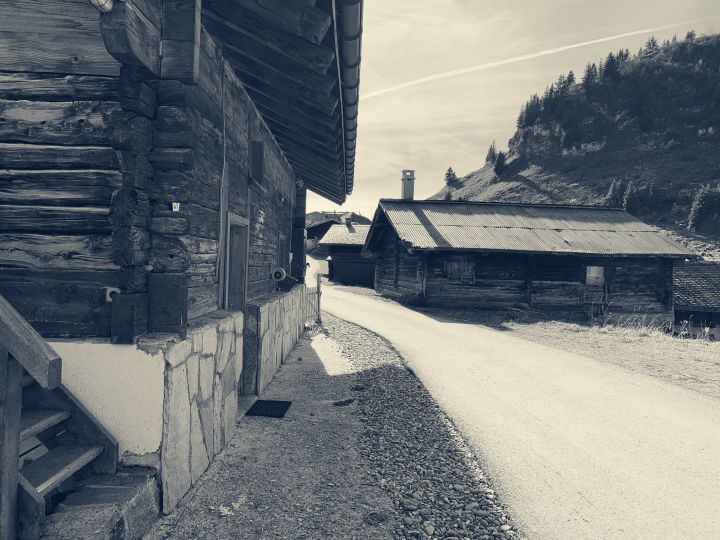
(346,265)
(550,257)
(154,162)
(697,296)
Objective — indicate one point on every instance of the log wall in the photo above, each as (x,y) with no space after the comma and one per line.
(201,154)
(64,140)
(398,274)
(495,281)
(93,152)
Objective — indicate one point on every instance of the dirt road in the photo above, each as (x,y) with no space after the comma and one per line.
(578,448)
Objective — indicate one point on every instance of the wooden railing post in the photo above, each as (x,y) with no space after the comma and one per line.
(10,404)
(319,281)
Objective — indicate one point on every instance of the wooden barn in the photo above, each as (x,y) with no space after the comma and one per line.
(697,297)
(154,161)
(549,257)
(346,265)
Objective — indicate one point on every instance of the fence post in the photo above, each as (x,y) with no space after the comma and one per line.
(10,403)
(319,281)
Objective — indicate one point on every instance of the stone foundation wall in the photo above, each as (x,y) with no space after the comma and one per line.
(274,324)
(200,404)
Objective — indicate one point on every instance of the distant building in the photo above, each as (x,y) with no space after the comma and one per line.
(496,255)
(346,264)
(697,295)
(317,230)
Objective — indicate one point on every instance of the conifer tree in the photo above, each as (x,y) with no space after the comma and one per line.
(450,176)
(590,76)
(500,163)
(691,35)
(651,45)
(492,152)
(570,79)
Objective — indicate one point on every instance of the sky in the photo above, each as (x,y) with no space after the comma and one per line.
(442,79)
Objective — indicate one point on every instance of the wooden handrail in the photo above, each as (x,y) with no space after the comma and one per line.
(28,347)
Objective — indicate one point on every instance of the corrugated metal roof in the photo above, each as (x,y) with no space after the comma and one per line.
(345,235)
(697,284)
(582,230)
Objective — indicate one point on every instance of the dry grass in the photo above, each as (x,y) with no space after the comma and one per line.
(691,363)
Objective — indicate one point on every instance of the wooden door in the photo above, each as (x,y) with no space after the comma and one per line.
(237,264)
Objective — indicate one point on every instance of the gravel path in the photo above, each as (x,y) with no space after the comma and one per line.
(363,453)
(417,456)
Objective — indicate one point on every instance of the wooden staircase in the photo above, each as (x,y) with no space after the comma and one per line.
(49,443)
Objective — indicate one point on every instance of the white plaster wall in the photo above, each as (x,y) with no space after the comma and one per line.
(122,386)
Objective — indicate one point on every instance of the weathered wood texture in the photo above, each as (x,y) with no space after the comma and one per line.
(95,153)
(202,135)
(10,405)
(637,286)
(27,347)
(398,274)
(64,137)
(48,36)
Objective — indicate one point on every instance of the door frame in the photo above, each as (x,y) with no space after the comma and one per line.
(230,221)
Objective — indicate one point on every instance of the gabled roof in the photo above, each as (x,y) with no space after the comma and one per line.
(320,223)
(696,285)
(521,228)
(345,235)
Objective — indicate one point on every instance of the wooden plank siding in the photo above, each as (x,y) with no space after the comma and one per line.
(60,164)
(496,281)
(93,154)
(202,135)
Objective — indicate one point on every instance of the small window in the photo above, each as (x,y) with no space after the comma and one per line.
(257,161)
(595,276)
(461,269)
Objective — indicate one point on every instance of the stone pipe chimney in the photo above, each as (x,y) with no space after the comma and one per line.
(408,185)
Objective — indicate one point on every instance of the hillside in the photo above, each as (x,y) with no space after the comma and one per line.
(642,132)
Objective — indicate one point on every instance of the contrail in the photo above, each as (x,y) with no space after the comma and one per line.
(522,58)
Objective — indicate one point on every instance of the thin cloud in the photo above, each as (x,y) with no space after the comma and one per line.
(522,58)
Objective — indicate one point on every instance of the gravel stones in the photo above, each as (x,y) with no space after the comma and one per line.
(414,451)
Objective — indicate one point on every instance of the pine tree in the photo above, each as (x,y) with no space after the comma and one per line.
(590,76)
(691,35)
(651,45)
(450,176)
(612,68)
(448,196)
(570,79)
(500,163)
(492,153)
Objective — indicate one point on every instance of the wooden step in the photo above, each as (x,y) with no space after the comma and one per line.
(35,421)
(58,465)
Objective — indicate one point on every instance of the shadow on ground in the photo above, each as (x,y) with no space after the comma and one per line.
(363,452)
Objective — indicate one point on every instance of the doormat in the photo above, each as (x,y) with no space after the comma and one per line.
(269,408)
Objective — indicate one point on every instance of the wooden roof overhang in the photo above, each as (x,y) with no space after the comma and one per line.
(299,61)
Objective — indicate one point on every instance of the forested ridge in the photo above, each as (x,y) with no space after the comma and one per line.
(637,130)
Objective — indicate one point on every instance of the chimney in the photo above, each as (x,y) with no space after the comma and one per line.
(408,185)
(348,221)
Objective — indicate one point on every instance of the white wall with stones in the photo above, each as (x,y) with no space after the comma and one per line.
(273,326)
(200,405)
